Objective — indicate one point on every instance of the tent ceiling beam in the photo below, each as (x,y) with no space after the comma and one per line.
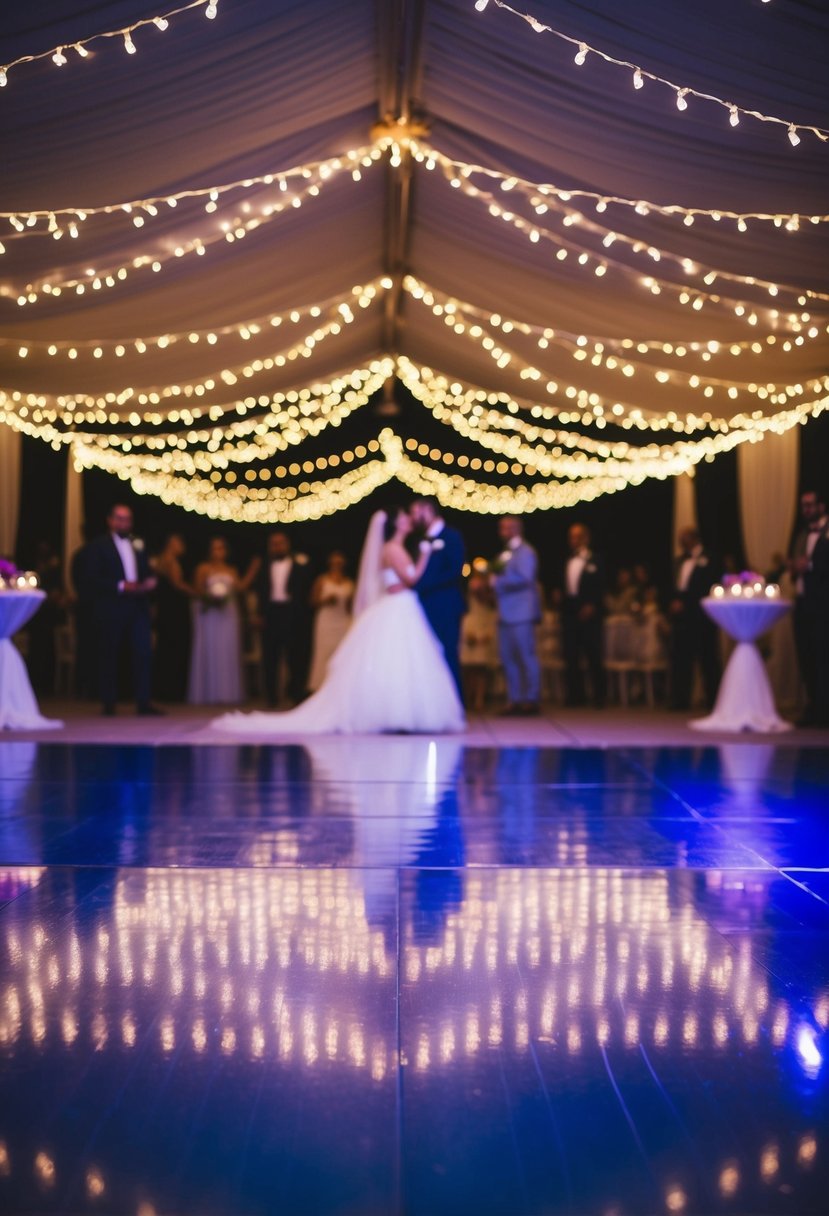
(400,59)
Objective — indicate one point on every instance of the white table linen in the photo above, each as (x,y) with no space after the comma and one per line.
(18,705)
(745,700)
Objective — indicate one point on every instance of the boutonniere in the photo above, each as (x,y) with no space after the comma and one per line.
(137,544)
(301,559)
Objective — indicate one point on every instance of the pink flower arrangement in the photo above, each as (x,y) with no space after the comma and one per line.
(745,576)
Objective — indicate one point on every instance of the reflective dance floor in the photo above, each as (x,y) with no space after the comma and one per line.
(403,976)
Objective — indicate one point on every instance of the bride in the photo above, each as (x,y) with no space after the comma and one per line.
(388,673)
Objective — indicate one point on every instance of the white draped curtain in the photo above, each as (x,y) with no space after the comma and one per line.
(73,517)
(10,460)
(767,474)
(685,505)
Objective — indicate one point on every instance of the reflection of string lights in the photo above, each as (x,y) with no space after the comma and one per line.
(59,58)
(278,968)
(640,75)
(230,939)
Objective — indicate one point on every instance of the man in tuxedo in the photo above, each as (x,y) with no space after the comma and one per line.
(515,582)
(582,609)
(118,581)
(694,636)
(441,586)
(808,566)
(283,588)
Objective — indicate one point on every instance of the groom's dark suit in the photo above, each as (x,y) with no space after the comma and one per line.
(119,617)
(441,593)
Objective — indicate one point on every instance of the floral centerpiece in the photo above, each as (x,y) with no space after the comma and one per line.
(12,579)
(745,585)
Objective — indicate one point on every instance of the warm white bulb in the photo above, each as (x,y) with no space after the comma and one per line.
(81,49)
(794,138)
(3,78)
(681,103)
(638,82)
(161,22)
(59,58)
(129,45)
(480,5)
(733,116)
(211,10)
(581,54)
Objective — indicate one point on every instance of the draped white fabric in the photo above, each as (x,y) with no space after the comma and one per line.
(9,489)
(685,504)
(269,85)
(768,474)
(73,520)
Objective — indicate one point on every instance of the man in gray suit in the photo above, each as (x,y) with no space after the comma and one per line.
(515,582)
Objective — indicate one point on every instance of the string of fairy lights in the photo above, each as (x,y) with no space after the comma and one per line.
(60,55)
(69,221)
(639,75)
(599,263)
(540,195)
(479,325)
(217,457)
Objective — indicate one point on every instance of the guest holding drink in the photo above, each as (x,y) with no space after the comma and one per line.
(216,662)
(173,624)
(331,598)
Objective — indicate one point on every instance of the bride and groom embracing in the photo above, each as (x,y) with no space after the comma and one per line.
(397,667)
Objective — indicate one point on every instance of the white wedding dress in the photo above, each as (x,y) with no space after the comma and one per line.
(388,674)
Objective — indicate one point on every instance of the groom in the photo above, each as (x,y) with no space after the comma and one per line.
(440,586)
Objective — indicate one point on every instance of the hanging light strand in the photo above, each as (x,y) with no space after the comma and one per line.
(118,348)
(788,221)
(340,315)
(482,327)
(682,92)
(61,221)
(60,54)
(589,260)
(96,279)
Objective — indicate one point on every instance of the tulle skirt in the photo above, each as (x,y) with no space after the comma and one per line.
(388,674)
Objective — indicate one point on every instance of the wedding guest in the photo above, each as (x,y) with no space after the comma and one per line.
(216,661)
(40,657)
(693,634)
(811,618)
(479,634)
(173,622)
(582,605)
(515,583)
(283,587)
(624,599)
(118,578)
(331,598)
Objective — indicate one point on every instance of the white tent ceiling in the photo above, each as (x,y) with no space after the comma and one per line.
(273,84)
